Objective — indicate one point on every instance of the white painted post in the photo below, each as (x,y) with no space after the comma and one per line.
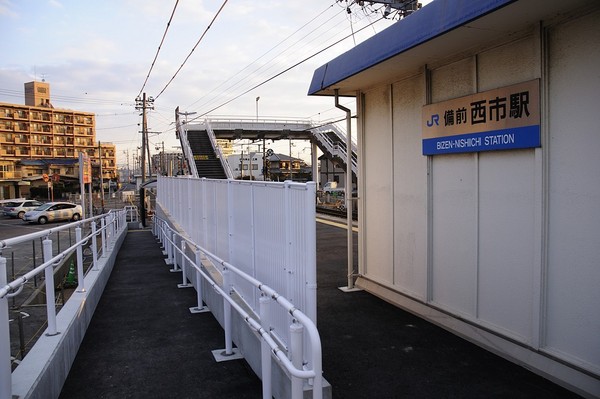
(94,247)
(296,330)
(265,350)
(227,313)
(310,241)
(80,276)
(5,368)
(50,298)
(111,242)
(200,308)
(184,268)
(183,271)
(169,245)
(103,227)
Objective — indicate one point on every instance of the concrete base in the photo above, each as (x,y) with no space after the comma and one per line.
(203,309)
(221,356)
(346,289)
(185,286)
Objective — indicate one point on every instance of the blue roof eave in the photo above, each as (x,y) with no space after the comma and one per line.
(433,20)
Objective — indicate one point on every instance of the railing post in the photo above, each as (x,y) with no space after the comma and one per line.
(200,308)
(184,278)
(265,350)
(50,298)
(296,330)
(5,367)
(111,230)
(80,276)
(94,247)
(169,245)
(103,227)
(227,313)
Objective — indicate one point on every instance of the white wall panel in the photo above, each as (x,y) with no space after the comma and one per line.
(410,189)
(378,197)
(509,64)
(453,80)
(454,235)
(506,241)
(573,324)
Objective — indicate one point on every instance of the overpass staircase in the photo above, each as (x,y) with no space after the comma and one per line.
(332,141)
(206,160)
(207,163)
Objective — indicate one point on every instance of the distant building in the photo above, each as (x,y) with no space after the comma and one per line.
(38,131)
(277,165)
(167,164)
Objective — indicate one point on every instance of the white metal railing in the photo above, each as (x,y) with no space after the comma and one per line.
(217,149)
(267,230)
(187,151)
(111,225)
(320,133)
(300,364)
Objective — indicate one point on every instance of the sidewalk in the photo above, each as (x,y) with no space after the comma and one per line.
(144,343)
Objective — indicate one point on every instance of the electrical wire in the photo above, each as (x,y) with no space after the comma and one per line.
(194,48)
(270,64)
(159,47)
(280,73)
(259,58)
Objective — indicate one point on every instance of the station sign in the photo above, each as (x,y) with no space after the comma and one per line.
(500,119)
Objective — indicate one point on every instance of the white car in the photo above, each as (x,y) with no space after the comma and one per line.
(52,212)
(18,208)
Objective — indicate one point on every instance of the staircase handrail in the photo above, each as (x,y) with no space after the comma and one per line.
(335,148)
(187,150)
(218,151)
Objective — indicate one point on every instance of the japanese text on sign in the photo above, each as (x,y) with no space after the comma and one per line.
(504,118)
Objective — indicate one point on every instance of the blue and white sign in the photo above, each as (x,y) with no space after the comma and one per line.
(500,119)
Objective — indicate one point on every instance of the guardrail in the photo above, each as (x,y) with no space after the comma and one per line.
(100,240)
(176,246)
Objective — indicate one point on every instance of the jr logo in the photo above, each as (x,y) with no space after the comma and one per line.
(435,118)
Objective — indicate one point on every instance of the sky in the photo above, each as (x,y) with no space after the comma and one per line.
(97,55)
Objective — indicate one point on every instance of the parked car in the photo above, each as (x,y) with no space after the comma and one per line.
(18,208)
(54,211)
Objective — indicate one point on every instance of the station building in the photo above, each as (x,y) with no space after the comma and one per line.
(478,184)
(37,139)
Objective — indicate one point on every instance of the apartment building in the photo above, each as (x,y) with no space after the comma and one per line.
(51,136)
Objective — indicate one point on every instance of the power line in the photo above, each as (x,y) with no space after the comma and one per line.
(282,72)
(159,46)
(194,48)
(259,58)
(269,64)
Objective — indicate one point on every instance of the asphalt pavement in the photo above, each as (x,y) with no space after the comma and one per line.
(144,343)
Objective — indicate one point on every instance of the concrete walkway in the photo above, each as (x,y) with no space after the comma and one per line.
(144,343)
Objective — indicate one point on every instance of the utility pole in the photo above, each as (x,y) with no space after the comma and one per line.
(144,104)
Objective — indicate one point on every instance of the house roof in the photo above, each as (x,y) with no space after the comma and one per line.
(437,31)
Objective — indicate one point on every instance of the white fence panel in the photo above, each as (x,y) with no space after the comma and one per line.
(265,229)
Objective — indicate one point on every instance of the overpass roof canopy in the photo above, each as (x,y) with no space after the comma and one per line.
(439,30)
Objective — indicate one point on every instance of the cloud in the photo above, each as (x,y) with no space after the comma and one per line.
(55,3)
(6,9)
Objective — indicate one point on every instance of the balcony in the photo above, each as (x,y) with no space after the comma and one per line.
(21,115)
(21,127)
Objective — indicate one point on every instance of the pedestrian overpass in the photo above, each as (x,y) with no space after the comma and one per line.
(205,158)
